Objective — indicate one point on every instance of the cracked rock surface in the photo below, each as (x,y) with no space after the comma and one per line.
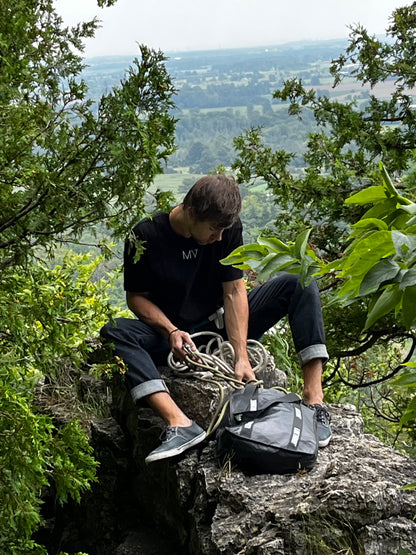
(352,501)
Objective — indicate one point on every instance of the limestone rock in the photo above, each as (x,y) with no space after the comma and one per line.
(350,502)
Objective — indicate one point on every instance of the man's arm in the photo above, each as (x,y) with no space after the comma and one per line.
(150,314)
(236,323)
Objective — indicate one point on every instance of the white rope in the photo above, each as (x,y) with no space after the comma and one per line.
(217,359)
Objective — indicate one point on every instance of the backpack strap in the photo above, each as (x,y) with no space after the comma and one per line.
(243,399)
(246,400)
(251,389)
(289,398)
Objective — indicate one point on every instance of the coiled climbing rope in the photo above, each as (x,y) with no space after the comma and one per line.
(214,362)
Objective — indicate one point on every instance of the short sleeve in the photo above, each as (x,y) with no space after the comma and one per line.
(136,273)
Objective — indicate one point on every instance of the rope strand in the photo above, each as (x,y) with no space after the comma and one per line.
(218,358)
(215,361)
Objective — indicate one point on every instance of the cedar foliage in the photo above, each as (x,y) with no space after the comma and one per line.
(66,163)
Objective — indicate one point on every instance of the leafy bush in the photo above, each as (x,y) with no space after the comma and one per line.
(49,313)
(33,454)
(66,164)
(46,314)
(376,277)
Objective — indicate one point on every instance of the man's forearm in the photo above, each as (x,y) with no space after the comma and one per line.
(236,314)
(150,314)
(236,318)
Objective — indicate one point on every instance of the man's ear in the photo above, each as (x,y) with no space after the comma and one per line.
(191,214)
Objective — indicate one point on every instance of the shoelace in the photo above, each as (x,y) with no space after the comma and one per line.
(168,433)
(322,415)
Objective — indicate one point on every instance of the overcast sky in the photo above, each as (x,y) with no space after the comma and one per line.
(175,25)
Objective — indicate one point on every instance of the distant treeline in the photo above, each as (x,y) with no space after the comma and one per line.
(223,92)
(224,77)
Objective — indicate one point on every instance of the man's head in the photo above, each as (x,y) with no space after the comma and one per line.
(215,199)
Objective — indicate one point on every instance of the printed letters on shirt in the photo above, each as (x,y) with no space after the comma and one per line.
(190,254)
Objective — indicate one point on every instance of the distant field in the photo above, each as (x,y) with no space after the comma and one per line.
(223,93)
(173,182)
(242,110)
(381,90)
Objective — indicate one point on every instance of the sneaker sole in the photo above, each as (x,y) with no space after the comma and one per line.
(324,442)
(176,450)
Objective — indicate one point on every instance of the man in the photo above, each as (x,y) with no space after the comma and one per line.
(177,283)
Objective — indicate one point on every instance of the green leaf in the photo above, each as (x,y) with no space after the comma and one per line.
(409,307)
(329,268)
(403,243)
(274,244)
(410,208)
(362,254)
(390,186)
(382,209)
(301,243)
(387,181)
(410,413)
(381,272)
(406,378)
(368,195)
(412,485)
(252,251)
(349,288)
(370,223)
(274,263)
(307,271)
(387,301)
(409,278)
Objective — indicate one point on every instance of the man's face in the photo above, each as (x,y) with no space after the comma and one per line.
(205,233)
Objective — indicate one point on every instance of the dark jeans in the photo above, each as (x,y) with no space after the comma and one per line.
(143,349)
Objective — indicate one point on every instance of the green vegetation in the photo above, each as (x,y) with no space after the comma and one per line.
(65,164)
(366,255)
(46,316)
(78,167)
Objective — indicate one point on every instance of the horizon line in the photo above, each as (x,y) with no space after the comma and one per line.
(218,49)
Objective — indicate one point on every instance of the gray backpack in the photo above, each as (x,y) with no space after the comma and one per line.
(267,431)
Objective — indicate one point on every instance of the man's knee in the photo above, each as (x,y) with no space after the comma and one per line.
(113,329)
(292,283)
(291,280)
(107,330)
(284,284)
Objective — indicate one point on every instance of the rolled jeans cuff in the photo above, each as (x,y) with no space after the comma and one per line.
(312,352)
(147,388)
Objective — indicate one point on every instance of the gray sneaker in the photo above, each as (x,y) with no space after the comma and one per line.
(323,428)
(176,440)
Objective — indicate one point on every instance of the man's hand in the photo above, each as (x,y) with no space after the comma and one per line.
(178,339)
(243,371)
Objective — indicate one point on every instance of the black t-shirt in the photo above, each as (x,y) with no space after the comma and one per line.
(184,279)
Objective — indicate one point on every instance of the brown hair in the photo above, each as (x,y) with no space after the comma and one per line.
(214,198)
